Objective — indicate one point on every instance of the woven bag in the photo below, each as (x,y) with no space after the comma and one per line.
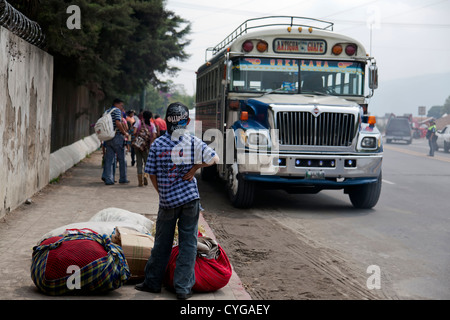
(102,265)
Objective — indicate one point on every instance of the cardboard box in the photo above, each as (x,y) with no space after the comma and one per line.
(137,249)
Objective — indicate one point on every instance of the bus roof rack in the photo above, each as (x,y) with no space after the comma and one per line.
(271,21)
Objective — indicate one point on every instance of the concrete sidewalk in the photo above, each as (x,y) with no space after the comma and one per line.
(77,196)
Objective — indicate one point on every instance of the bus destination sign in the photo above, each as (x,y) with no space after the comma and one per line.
(299,46)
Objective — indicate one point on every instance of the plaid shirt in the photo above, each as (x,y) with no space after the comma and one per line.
(169,161)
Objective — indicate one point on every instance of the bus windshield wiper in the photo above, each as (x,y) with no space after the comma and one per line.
(279,90)
(316,93)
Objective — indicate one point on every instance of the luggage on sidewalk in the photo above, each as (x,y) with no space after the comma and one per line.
(122,215)
(106,221)
(212,267)
(85,257)
(137,248)
(100,227)
(78,263)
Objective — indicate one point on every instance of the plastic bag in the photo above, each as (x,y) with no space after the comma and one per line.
(116,214)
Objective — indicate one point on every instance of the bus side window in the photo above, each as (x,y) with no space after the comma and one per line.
(200,89)
(209,84)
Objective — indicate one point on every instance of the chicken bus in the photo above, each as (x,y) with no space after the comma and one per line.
(283,100)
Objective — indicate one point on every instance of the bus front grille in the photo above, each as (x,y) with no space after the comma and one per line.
(306,129)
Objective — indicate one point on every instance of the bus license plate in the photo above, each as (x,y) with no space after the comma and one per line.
(315,175)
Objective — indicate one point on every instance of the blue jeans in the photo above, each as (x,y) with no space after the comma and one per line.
(184,276)
(115,147)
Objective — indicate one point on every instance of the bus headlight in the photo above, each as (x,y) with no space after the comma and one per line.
(257,139)
(369,143)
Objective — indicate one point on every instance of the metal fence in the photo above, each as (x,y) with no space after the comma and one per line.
(20,25)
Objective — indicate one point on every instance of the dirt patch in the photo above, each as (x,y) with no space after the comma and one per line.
(273,262)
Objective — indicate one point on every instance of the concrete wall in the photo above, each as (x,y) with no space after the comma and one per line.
(26,78)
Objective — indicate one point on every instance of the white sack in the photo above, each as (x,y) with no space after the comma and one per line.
(101,227)
(116,214)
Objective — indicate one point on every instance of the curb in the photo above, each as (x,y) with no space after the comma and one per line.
(66,157)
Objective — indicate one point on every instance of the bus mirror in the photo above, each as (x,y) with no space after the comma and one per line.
(229,68)
(373,76)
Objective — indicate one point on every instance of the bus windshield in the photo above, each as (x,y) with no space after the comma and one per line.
(326,77)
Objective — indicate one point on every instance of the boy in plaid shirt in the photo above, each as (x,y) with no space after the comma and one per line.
(172,163)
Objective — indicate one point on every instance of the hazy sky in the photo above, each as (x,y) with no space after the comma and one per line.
(409,38)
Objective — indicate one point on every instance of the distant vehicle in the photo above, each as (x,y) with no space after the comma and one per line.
(399,129)
(419,130)
(443,138)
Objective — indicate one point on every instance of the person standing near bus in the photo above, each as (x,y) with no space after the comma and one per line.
(172,163)
(431,136)
(116,146)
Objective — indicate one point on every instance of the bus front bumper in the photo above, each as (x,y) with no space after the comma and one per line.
(312,169)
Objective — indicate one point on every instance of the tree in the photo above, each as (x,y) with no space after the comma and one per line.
(446,107)
(157,99)
(435,112)
(179,95)
(28,7)
(122,44)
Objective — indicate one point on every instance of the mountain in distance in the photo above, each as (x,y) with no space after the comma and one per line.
(404,96)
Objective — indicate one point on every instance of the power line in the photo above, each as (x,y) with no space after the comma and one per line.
(210,9)
(417,8)
(398,24)
(347,10)
(231,10)
(404,24)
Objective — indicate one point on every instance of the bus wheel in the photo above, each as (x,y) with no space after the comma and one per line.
(240,191)
(366,196)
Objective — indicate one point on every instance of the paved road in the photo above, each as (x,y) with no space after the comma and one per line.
(406,235)
(408,232)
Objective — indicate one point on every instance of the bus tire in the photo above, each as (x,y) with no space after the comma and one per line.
(240,191)
(366,196)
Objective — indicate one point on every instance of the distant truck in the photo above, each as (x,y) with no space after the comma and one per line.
(399,129)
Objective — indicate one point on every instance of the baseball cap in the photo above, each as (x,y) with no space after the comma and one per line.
(177,117)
